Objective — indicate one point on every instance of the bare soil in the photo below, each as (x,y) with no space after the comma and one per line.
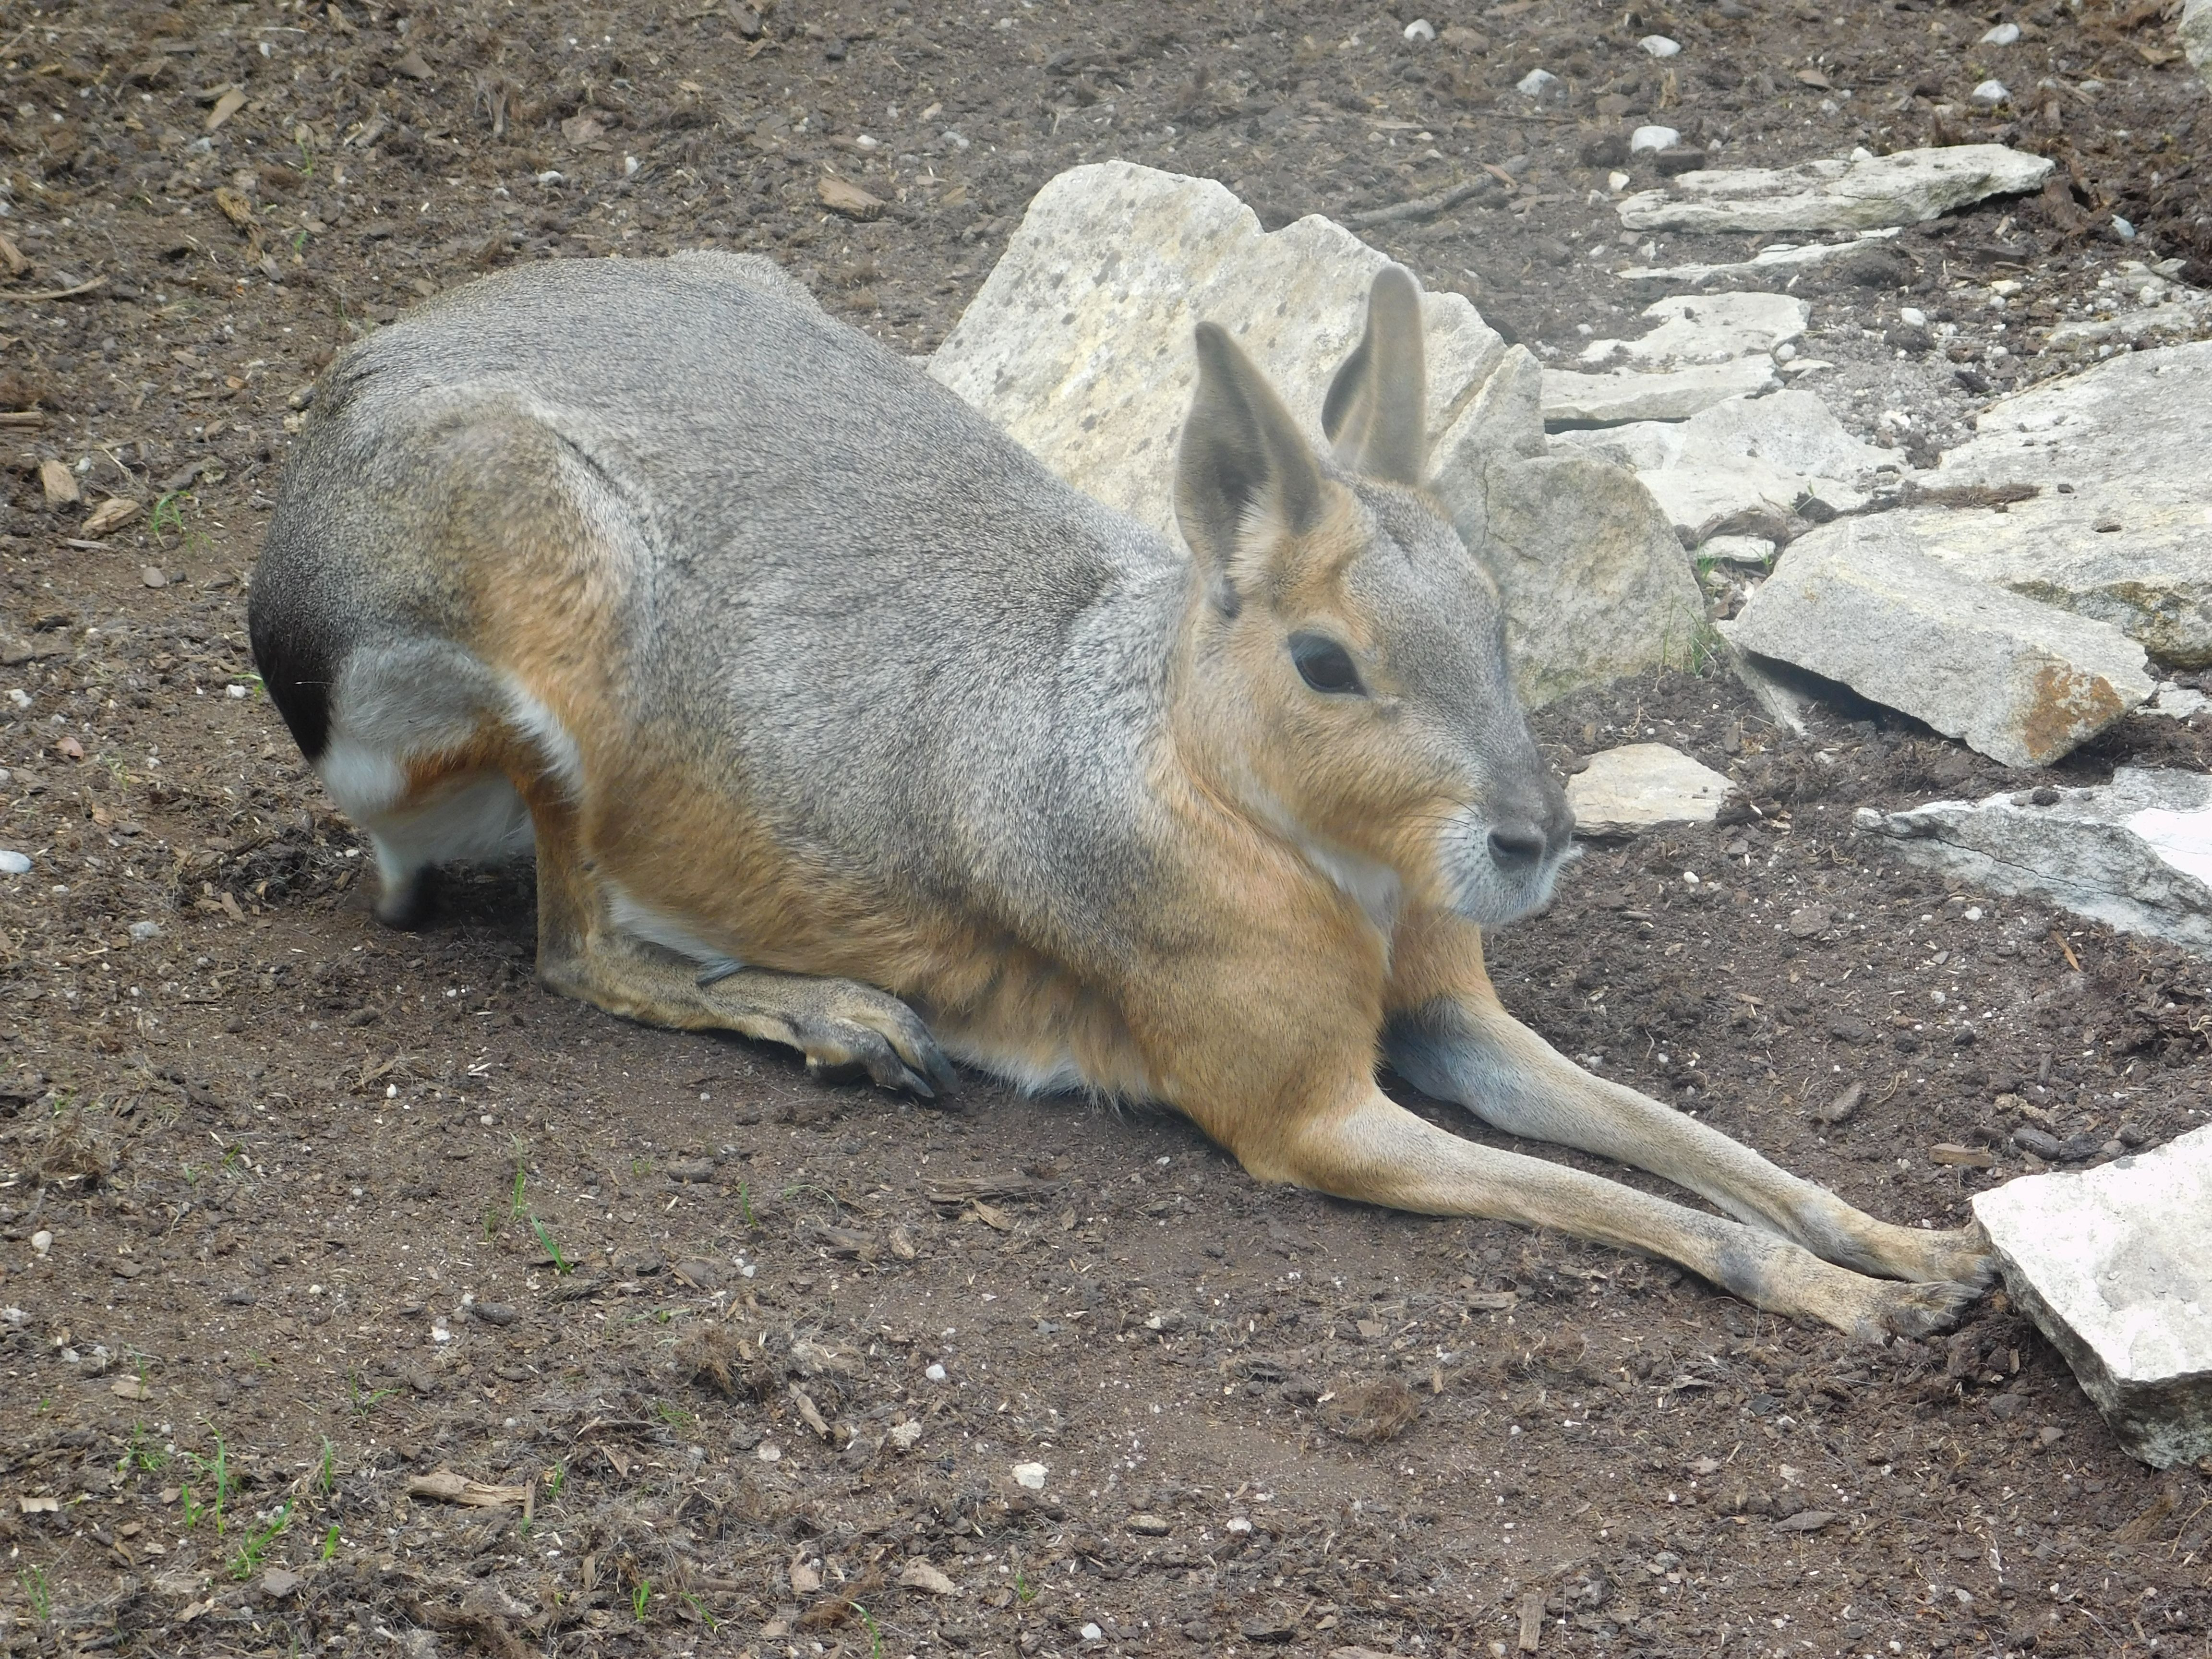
(296,1210)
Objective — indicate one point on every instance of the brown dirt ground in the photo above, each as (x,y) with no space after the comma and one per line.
(305,1181)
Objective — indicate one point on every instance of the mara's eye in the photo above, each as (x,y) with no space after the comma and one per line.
(1324,664)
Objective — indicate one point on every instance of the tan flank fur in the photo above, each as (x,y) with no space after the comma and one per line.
(831,718)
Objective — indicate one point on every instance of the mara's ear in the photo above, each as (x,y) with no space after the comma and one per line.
(1243,457)
(1376,410)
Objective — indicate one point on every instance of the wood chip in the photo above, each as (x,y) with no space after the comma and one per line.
(1813,77)
(59,484)
(991,1217)
(958,1190)
(809,1412)
(841,196)
(1967,1157)
(12,256)
(236,208)
(39,1505)
(1532,1620)
(130,1387)
(447,1488)
(114,511)
(1806,1521)
(225,107)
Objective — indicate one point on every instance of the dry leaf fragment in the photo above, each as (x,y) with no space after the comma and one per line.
(225,107)
(806,1575)
(59,484)
(839,196)
(130,1387)
(236,208)
(1813,77)
(114,511)
(13,257)
(447,1486)
(413,66)
(580,129)
(920,1575)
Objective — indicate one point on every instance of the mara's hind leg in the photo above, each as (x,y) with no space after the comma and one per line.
(842,1027)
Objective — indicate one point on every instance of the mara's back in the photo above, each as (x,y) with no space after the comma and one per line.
(761,545)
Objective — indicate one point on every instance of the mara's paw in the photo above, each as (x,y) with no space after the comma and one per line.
(1917,1310)
(856,1031)
(1958,1255)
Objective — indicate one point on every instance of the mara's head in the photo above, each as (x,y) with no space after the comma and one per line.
(1347,679)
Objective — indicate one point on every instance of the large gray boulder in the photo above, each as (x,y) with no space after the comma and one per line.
(2115,1265)
(1595,582)
(1079,344)
(2135,854)
(2023,683)
(1865,193)
(2196,36)
(2119,527)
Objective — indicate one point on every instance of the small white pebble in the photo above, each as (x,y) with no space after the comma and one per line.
(1659,45)
(1421,29)
(41,1242)
(2003,36)
(1973,913)
(934,1371)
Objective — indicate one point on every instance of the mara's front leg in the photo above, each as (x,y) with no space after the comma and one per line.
(1447,1034)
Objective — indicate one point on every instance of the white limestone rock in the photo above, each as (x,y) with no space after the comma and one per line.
(1703,328)
(1079,344)
(2135,854)
(1780,259)
(2115,1265)
(1079,341)
(2020,682)
(2131,543)
(2195,30)
(1592,576)
(1573,399)
(1743,456)
(1865,193)
(1626,791)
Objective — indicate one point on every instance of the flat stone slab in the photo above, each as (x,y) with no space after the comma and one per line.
(1865,193)
(2115,1265)
(1690,329)
(1574,398)
(2129,541)
(1079,345)
(2135,854)
(1641,786)
(1782,260)
(2023,683)
(1746,455)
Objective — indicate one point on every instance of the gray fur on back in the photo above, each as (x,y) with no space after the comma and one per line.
(869,614)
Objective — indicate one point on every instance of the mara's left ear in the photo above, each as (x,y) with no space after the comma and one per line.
(1376,410)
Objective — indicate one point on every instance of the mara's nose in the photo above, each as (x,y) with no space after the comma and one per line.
(1515,843)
